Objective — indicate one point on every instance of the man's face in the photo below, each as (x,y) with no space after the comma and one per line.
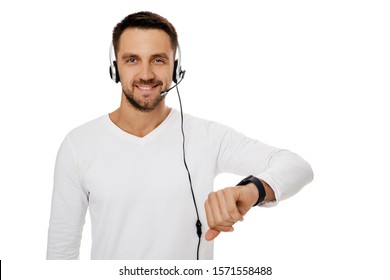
(145,62)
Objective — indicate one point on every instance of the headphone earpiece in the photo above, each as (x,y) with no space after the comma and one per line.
(177,72)
(114,73)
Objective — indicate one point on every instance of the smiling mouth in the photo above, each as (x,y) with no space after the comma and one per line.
(147,86)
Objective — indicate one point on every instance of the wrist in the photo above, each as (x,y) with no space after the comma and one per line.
(253,191)
(269,192)
(258,185)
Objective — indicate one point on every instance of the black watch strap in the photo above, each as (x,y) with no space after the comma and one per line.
(259,186)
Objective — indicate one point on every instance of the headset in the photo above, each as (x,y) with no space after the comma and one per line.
(177,77)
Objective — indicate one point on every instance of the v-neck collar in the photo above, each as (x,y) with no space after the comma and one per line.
(151,135)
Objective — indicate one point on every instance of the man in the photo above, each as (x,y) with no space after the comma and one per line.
(144,198)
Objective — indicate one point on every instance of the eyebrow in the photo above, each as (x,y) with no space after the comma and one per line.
(131,55)
(161,55)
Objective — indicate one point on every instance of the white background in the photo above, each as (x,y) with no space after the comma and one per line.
(309,76)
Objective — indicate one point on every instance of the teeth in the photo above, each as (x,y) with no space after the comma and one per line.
(145,88)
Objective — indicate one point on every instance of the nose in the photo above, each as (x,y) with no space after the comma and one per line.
(146,72)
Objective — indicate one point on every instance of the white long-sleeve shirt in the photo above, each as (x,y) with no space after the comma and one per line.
(138,192)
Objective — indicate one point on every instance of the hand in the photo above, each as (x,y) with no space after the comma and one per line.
(227,206)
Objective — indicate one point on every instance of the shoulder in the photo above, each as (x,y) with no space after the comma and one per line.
(88,132)
(200,123)
(206,128)
(90,127)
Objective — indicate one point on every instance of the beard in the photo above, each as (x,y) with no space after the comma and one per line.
(142,105)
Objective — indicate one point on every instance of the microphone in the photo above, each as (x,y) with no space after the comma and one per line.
(165,92)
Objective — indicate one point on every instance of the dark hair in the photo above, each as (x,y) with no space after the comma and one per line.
(144,20)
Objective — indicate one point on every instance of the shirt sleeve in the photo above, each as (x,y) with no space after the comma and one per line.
(285,171)
(68,208)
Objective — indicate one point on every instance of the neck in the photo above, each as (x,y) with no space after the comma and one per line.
(136,122)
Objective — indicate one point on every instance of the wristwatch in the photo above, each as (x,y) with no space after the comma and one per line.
(259,185)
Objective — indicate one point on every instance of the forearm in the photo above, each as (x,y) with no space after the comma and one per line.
(68,207)
(65,228)
(287,174)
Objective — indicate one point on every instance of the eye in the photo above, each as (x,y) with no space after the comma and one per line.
(159,60)
(131,60)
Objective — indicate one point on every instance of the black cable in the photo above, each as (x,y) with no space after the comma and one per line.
(198,223)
